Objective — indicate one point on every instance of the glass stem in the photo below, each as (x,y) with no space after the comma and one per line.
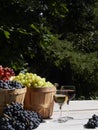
(67,108)
(60,111)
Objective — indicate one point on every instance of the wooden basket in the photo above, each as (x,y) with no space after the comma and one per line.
(40,100)
(8,96)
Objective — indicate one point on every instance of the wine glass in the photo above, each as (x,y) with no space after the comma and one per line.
(70,92)
(60,98)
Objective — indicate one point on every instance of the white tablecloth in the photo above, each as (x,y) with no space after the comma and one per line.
(80,110)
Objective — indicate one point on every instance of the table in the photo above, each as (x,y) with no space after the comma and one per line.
(80,110)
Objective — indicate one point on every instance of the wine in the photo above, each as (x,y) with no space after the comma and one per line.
(70,93)
(59,98)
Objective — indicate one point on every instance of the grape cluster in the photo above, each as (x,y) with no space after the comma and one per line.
(92,122)
(32,80)
(6,73)
(10,85)
(15,117)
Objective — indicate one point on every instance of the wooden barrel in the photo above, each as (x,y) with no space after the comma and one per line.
(8,96)
(40,100)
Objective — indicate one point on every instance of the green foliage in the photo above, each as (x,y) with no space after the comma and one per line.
(23,26)
(57,8)
(17,32)
(84,42)
(96,14)
(84,66)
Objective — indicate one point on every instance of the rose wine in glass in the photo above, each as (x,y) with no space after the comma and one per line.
(70,92)
(60,98)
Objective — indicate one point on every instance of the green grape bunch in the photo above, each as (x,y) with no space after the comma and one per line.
(32,80)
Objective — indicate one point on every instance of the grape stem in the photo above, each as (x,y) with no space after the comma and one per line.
(7,116)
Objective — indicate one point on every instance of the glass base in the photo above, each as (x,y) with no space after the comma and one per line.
(61,120)
(69,118)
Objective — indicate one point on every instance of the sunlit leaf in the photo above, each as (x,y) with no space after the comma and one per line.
(7,34)
(34,27)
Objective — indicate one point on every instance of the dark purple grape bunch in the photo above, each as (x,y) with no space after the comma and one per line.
(92,122)
(15,117)
(10,84)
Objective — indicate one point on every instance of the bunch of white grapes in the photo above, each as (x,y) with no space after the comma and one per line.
(32,80)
